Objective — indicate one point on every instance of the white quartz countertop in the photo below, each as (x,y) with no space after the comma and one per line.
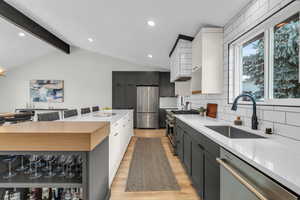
(275,155)
(111,116)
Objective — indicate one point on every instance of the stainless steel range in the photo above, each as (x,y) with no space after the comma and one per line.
(170,125)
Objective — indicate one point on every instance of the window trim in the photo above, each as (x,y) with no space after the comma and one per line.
(264,27)
(237,48)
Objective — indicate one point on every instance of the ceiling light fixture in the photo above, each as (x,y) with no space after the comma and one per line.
(21,34)
(90,40)
(150,56)
(151,23)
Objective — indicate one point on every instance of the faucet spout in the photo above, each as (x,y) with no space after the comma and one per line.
(254,115)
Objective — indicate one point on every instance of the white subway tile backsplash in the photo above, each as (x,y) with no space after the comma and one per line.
(284,120)
(293,118)
(262,125)
(287,130)
(274,116)
(287,109)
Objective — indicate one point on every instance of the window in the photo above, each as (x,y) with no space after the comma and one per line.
(265,61)
(286,59)
(253,67)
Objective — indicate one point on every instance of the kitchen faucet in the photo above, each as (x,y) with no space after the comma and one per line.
(254,116)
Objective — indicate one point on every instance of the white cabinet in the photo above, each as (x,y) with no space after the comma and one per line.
(120,136)
(114,150)
(207,61)
(181,61)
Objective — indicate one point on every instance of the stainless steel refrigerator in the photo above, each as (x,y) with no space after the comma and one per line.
(147,107)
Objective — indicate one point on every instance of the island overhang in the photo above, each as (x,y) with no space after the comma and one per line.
(53,136)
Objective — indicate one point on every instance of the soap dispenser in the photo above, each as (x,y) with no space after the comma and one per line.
(238,121)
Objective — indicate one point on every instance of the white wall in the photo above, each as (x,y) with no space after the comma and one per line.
(87,77)
(284,121)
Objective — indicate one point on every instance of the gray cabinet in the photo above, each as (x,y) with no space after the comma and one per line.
(166,88)
(187,152)
(197,174)
(124,94)
(211,177)
(198,155)
(162,118)
(179,141)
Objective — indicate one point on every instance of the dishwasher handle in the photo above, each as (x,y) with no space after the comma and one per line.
(243,180)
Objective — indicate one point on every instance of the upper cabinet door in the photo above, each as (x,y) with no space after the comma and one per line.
(207,75)
(197,52)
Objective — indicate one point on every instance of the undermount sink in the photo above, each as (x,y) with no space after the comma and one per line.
(234,133)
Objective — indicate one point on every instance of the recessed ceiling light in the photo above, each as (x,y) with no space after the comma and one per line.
(21,34)
(151,23)
(90,39)
(150,56)
(2,72)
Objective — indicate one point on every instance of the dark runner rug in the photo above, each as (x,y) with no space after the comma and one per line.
(150,169)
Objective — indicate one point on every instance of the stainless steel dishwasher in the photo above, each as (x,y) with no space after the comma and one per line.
(240,181)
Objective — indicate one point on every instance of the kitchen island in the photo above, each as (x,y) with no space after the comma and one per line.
(79,149)
(121,131)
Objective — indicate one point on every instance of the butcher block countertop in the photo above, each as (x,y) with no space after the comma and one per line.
(53,136)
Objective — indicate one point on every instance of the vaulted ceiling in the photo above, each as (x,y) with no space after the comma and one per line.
(119,28)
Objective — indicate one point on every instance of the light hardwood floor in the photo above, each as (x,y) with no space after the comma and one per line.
(187,192)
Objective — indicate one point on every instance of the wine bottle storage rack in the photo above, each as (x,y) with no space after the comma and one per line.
(45,193)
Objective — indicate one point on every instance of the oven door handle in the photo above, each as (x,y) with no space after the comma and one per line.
(243,180)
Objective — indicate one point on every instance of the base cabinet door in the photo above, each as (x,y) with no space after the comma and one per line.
(162,118)
(179,140)
(187,151)
(212,178)
(198,168)
(114,154)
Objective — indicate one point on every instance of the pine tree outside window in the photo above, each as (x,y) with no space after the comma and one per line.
(265,61)
(286,59)
(253,67)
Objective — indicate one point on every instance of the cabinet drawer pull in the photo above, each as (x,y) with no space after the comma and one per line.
(116,134)
(241,179)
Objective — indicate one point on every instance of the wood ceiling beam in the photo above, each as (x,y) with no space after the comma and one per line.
(16,17)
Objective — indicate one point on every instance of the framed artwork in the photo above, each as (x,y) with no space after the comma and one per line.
(47,91)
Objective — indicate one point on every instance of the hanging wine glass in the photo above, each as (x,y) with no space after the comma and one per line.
(35,159)
(30,168)
(70,163)
(62,164)
(50,159)
(79,162)
(9,159)
(22,167)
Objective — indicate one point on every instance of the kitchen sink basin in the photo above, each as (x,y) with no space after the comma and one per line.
(234,133)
